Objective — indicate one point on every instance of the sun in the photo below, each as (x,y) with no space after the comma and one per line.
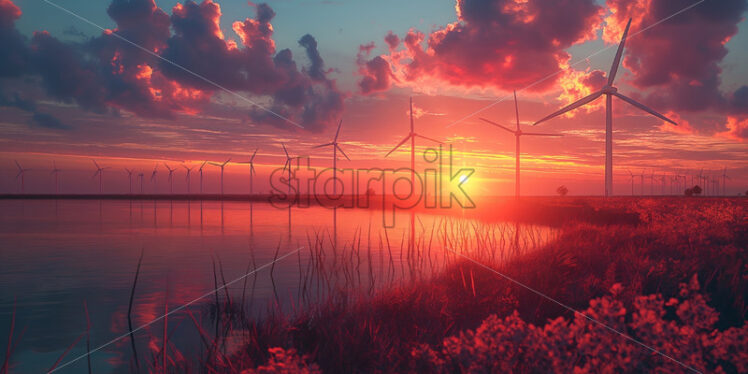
(463,178)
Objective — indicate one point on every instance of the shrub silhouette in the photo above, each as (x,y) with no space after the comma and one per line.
(562,190)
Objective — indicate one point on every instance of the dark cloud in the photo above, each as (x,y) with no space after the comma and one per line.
(504,44)
(106,74)
(690,81)
(376,72)
(38,118)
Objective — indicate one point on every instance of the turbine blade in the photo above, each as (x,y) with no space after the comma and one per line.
(644,108)
(427,138)
(398,145)
(227,161)
(341,151)
(97,165)
(338,132)
(540,134)
(323,145)
(19,174)
(252,169)
(412,128)
(285,150)
(253,155)
(572,106)
(17,164)
(619,53)
(201,166)
(516,109)
(497,125)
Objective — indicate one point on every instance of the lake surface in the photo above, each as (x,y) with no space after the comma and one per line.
(69,264)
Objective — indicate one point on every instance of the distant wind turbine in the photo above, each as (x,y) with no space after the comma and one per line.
(153,178)
(21,174)
(412,137)
(725,177)
(609,91)
(252,172)
(335,149)
(201,175)
(517,134)
(129,178)
(189,171)
(632,176)
(223,165)
(287,166)
(100,173)
(140,176)
(55,172)
(171,178)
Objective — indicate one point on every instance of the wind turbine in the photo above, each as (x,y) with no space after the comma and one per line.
(252,172)
(189,171)
(517,134)
(632,181)
(140,175)
(153,178)
(100,173)
(335,149)
(412,137)
(55,172)
(609,91)
(221,166)
(21,174)
(129,177)
(201,175)
(725,177)
(171,178)
(641,182)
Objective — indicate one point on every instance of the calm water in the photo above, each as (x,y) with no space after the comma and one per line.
(59,259)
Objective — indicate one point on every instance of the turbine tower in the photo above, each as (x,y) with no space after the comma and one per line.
(140,176)
(189,171)
(100,173)
(171,178)
(55,172)
(517,134)
(335,149)
(153,178)
(609,91)
(223,165)
(201,175)
(21,174)
(252,172)
(725,177)
(129,178)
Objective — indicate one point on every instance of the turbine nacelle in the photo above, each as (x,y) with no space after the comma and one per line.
(609,90)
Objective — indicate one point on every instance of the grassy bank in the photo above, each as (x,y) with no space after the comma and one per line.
(683,267)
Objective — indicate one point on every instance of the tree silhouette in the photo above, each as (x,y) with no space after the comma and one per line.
(562,190)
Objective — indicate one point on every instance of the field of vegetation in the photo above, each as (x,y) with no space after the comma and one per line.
(666,292)
(627,285)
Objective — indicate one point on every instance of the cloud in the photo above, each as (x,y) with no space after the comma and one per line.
(106,74)
(38,118)
(737,129)
(376,73)
(503,44)
(690,81)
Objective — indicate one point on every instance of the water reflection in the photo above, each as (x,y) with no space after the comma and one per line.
(58,256)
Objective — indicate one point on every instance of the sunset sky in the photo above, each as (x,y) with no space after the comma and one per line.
(70,92)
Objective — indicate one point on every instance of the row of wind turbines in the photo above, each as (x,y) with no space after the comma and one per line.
(609,91)
(713,183)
